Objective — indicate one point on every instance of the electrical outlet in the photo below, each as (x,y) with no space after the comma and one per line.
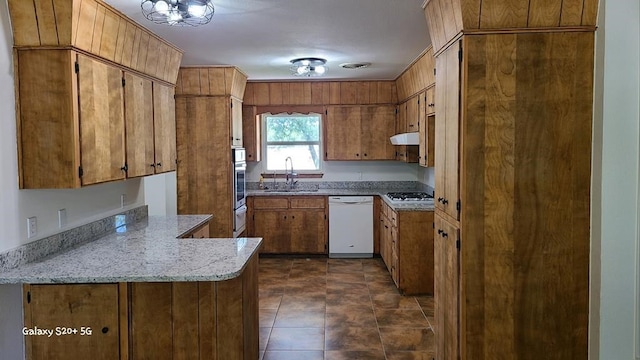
(32,227)
(62,218)
(123,200)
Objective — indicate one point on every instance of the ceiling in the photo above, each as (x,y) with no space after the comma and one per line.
(261,36)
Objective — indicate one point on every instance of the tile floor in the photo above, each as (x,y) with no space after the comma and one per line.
(337,309)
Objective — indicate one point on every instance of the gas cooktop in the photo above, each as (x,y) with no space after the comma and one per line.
(409,196)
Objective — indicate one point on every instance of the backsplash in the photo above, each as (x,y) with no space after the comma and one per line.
(65,240)
(355,185)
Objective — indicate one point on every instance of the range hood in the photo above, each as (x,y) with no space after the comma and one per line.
(410,138)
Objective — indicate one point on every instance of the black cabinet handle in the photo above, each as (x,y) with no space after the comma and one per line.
(444,234)
(440,199)
(440,231)
(365,154)
(159,164)
(386,227)
(445,201)
(293,216)
(124,168)
(153,165)
(105,330)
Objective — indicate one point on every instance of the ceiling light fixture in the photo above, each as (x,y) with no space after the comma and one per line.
(178,12)
(308,67)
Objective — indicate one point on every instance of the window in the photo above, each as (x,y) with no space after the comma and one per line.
(296,136)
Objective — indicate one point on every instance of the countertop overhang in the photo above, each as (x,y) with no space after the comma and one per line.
(147,251)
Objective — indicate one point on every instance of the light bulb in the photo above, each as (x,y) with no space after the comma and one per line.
(197,10)
(175,17)
(305,62)
(162,7)
(320,69)
(302,70)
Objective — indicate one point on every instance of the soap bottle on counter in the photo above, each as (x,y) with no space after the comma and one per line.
(261,184)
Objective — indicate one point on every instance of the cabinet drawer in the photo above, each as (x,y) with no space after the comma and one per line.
(199,233)
(270,203)
(307,203)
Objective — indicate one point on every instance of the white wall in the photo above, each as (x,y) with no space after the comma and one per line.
(160,194)
(354,171)
(82,205)
(615,236)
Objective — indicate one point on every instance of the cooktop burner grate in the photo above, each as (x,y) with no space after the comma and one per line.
(409,196)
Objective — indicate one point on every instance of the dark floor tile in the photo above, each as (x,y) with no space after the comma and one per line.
(401,318)
(394,301)
(354,355)
(273,288)
(306,287)
(264,337)
(348,299)
(303,302)
(296,339)
(410,355)
(353,316)
(383,287)
(269,300)
(344,266)
(407,339)
(299,318)
(294,355)
(344,287)
(384,278)
(267,317)
(427,304)
(352,338)
(345,277)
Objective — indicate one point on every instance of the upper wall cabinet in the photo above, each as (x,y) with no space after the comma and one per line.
(71,121)
(97,28)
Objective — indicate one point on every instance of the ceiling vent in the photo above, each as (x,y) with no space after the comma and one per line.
(361,65)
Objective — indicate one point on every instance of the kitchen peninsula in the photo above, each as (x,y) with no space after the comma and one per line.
(146,290)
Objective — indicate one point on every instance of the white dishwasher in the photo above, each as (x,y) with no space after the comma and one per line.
(350,226)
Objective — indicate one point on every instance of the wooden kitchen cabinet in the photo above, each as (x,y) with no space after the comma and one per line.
(501,122)
(447,125)
(93,310)
(164,128)
(427,142)
(430,101)
(73,127)
(289,225)
(446,245)
(236,122)
(251,133)
(358,132)
(201,232)
(413,113)
(406,247)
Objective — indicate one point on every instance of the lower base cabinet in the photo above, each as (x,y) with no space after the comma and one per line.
(158,320)
(406,247)
(289,224)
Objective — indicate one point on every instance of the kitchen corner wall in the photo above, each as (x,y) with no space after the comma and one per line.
(82,205)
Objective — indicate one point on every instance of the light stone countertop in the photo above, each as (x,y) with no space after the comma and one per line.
(413,206)
(146,251)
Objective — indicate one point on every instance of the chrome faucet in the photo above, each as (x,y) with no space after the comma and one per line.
(289,176)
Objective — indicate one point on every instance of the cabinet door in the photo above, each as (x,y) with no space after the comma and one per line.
(413,114)
(447,127)
(430,101)
(273,228)
(164,128)
(427,141)
(78,306)
(138,97)
(446,288)
(401,119)
(308,231)
(377,126)
(342,133)
(236,122)
(251,133)
(102,147)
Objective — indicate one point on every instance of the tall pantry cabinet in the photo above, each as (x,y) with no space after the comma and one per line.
(208,125)
(513,155)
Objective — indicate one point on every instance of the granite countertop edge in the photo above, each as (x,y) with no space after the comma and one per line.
(427,206)
(150,250)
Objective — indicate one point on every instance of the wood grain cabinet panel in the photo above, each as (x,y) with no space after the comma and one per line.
(251,133)
(289,225)
(359,132)
(99,124)
(164,128)
(63,307)
(406,247)
(138,93)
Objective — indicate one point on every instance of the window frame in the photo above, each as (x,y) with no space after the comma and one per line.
(264,142)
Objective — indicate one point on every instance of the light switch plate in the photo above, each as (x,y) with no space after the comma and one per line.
(62,218)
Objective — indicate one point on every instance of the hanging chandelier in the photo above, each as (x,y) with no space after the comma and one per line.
(178,12)
(308,67)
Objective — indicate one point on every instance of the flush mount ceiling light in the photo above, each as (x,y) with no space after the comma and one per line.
(178,12)
(308,67)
